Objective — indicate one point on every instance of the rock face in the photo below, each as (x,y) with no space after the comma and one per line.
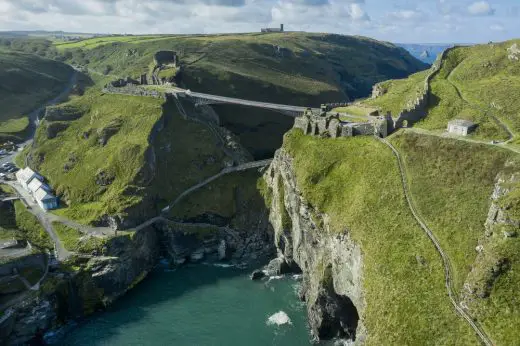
(69,295)
(500,225)
(331,263)
(183,243)
(513,53)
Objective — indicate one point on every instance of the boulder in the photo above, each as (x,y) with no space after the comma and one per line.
(223,251)
(278,266)
(257,275)
(197,256)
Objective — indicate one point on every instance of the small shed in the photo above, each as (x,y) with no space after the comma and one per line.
(46,200)
(461,127)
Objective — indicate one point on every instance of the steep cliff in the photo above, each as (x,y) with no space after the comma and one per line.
(370,275)
(82,286)
(331,263)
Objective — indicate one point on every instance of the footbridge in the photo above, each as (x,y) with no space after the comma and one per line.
(209,99)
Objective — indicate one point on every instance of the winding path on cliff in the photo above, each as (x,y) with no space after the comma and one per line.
(461,95)
(227,170)
(445,259)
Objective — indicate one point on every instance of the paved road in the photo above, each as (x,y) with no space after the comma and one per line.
(445,259)
(43,217)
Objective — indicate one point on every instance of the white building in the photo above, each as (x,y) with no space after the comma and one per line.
(280,29)
(25,176)
(45,200)
(461,127)
(33,183)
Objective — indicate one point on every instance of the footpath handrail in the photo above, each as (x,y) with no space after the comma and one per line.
(445,259)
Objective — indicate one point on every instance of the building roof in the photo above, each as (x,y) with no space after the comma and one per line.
(26,174)
(35,184)
(461,122)
(42,195)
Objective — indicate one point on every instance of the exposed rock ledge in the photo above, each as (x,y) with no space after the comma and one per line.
(331,263)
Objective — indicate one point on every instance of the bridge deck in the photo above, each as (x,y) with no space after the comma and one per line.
(237,101)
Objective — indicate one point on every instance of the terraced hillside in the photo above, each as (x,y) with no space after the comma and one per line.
(28,81)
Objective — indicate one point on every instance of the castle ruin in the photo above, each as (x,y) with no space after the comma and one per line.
(327,124)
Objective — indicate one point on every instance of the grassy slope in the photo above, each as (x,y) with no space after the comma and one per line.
(73,240)
(221,197)
(470,81)
(122,157)
(356,182)
(313,68)
(451,183)
(30,228)
(393,101)
(187,153)
(27,82)
(485,75)
(446,103)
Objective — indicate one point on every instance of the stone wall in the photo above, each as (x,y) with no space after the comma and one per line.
(134,90)
(419,108)
(331,126)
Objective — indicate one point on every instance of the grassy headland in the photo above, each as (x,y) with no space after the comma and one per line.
(356,182)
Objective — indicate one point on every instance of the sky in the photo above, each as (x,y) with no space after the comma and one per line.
(402,21)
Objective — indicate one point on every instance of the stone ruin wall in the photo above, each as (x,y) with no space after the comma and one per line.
(331,126)
(133,90)
(419,109)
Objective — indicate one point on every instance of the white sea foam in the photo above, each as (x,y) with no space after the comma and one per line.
(280,318)
(297,277)
(219,265)
(277,277)
(223,265)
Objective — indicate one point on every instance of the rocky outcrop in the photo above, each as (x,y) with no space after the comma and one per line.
(331,263)
(378,90)
(501,224)
(513,53)
(54,128)
(63,113)
(192,243)
(71,294)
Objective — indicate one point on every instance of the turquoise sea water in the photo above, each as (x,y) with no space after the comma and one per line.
(198,305)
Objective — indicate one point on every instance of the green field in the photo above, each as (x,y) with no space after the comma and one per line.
(28,82)
(91,43)
(356,182)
